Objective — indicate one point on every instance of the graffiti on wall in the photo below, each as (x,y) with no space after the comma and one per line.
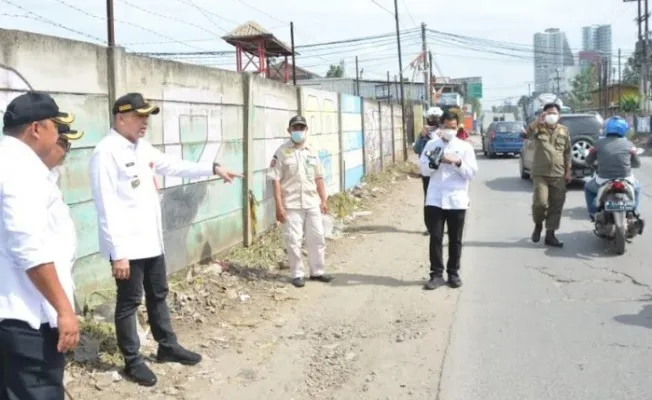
(191,127)
(321,115)
(386,126)
(372,137)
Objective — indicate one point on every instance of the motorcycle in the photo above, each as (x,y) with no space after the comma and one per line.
(617,219)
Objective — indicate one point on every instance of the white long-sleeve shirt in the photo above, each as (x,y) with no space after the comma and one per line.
(126,197)
(449,185)
(32,209)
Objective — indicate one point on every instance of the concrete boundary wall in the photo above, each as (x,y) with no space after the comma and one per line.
(206,114)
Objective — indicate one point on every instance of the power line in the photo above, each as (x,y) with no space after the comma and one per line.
(382,7)
(205,13)
(407,10)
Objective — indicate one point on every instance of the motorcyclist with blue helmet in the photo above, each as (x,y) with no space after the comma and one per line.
(616,156)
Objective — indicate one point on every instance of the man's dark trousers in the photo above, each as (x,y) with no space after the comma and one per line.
(425,180)
(150,274)
(436,218)
(31,366)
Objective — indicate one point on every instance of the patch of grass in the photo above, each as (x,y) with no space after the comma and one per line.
(265,252)
(341,204)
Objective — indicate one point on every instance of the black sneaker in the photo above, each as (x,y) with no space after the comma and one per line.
(177,354)
(454,281)
(298,282)
(140,374)
(434,283)
(536,234)
(322,278)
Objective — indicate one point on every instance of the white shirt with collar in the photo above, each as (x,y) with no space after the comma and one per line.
(126,197)
(27,239)
(449,185)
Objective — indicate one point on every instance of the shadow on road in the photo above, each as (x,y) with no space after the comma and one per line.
(378,229)
(524,242)
(576,213)
(582,245)
(509,184)
(642,319)
(359,279)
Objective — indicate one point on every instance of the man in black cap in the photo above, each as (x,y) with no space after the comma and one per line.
(37,318)
(124,189)
(300,197)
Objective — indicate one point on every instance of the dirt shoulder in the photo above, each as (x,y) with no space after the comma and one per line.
(371,334)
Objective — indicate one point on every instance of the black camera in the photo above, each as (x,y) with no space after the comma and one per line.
(434,157)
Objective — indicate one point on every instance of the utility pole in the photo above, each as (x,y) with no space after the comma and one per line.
(620,82)
(357,77)
(429,88)
(558,79)
(605,86)
(424,50)
(400,71)
(294,64)
(110,38)
(529,90)
(389,89)
(646,58)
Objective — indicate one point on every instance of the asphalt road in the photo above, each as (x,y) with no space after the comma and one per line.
(535,323)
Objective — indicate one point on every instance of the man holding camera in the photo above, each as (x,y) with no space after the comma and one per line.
(450,164)
(429,131)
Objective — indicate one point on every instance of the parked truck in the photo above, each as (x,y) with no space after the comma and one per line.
(535,107)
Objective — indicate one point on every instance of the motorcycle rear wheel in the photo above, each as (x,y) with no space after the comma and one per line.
(620,240)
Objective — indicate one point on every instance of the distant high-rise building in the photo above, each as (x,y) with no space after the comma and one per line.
(551,55)
(597,38)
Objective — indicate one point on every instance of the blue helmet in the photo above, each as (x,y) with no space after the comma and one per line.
(616,126)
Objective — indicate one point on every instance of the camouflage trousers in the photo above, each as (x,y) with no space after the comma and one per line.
(548,200)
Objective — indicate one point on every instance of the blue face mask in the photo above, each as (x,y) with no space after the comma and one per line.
(298,136)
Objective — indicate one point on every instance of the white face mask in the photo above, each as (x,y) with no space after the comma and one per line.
(551,119)
(448,134)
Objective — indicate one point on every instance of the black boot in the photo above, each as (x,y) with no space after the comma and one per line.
(552,241)
(536,234)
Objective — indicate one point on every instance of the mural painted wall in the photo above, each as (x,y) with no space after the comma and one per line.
(320,109)
(352,140)
(202,119)
(386,136)
(372,139)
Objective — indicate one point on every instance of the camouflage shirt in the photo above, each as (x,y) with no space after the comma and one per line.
(552,150)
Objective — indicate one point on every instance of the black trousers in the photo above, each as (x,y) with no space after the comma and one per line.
(425,180)
(150,274)
(31,366)
(436,219)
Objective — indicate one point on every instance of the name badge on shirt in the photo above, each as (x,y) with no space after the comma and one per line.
(135,182)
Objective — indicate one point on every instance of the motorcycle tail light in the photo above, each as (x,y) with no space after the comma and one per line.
(617,186)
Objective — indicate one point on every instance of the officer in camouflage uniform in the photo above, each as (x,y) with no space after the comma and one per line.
(551,172)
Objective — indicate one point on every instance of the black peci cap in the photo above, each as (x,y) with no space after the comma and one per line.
(134,102)
(32,107)
(297,120)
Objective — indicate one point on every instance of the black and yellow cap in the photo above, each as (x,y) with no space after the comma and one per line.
(67,132)
(32,107)
(134,102)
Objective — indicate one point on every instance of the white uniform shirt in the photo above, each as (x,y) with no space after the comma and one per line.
(449,185)
(296,168)
(126,196)
(64,244)
(27,240)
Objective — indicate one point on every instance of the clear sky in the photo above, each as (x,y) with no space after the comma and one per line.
(197,25)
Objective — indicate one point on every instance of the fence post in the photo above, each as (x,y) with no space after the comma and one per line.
(380,136)
(391,113)
(247,152)
(340,136)
(364,138)
(300,101)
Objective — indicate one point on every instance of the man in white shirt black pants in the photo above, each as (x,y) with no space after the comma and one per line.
(447,199)
(122,174)
(37,245)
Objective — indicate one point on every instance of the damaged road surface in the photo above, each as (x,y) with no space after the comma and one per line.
(539,323)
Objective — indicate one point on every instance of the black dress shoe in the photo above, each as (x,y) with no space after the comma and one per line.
(536,234)
(177,354)
(454,281)
(434,283)
(322,278)
(140,374)
(552,241)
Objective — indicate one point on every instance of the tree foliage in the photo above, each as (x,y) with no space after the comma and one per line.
(581,87)
(334,71)
(632,70)
(629,104)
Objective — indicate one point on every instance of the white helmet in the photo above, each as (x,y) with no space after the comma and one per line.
(434,112)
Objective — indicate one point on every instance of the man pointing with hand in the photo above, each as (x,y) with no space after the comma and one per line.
(122,170)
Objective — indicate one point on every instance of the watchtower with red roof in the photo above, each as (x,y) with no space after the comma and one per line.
(254,46)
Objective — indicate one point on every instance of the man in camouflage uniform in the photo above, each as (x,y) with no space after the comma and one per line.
(551,172)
